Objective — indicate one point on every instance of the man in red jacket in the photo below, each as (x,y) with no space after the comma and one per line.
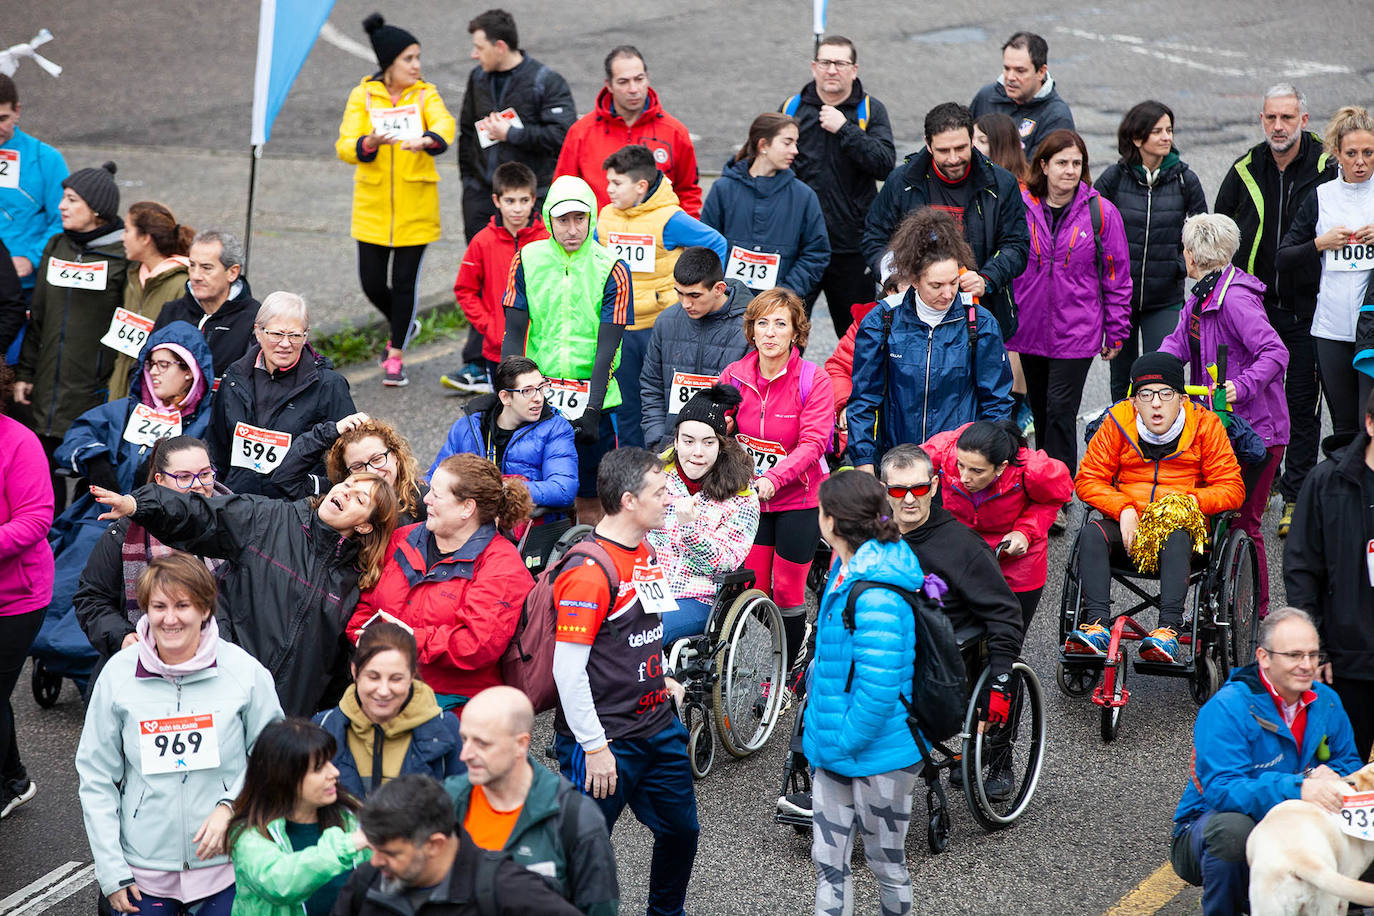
(486,265)
(627,112)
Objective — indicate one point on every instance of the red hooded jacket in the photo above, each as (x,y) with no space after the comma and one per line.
(463,611)
(482,279)
(601,131)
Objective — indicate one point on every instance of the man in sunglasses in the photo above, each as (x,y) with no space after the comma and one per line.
(1272,732)
(1153,443)
(978,592)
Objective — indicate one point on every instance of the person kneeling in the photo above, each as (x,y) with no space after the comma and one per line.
(1154,443)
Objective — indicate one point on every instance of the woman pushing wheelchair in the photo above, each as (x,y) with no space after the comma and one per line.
(1153,445)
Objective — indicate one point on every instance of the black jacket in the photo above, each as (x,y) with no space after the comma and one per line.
(289,587)
(518,891)
(843,168)
(229,331)
(1153,216)
(1035,120)
(978,592)
(100,602)
(1324,567)
(1263,201)
(544,103)
(14,310)
(297,476)
(316,393)
(994,225)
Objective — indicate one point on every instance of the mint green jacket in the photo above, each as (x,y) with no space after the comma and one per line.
(274,880)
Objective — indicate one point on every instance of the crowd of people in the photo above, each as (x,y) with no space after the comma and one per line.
(298,643)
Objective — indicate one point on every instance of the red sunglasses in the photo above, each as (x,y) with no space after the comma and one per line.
(920,489)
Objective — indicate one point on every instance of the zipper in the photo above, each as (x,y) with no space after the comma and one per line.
(1145,247)
(1278,233)
(925,395)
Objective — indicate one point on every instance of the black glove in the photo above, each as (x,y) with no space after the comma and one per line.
(588,426)
(101,472)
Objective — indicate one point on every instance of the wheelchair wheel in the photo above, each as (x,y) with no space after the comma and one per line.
(1076,682)
(938,825)
(47,687)
(1240,597)
(701,748)
(1111,715)
(747,692)
(1016,749)
(1206,679)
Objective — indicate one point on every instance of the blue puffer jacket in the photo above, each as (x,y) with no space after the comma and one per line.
(1245,759)
(778,214)
(860,729)
(932,384)
(543,452)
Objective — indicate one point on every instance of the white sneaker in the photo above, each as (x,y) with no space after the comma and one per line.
(14,801)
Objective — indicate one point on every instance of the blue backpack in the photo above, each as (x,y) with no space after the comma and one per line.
(790,107)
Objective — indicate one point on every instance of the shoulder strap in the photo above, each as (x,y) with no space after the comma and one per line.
(589,548)
(853,600)
(539,80)
(790,106)
(568,808)
(863,113)
(1095,215)
(971,323)
(485,883)
(808,378)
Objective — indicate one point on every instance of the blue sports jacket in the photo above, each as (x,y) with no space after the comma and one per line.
(28,213)
(543,453)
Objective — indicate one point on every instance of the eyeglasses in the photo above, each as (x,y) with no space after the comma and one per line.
(833,64)
(295,337)
(916,489)
(529,392)
(164,365)
(1294,658)
(376,462)
(1163,395)
(185,480)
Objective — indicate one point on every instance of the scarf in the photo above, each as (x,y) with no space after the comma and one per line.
(1169,435)
(693,486)
(139,547)
(204,657)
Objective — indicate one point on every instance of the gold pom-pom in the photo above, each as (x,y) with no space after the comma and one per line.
(1162,518)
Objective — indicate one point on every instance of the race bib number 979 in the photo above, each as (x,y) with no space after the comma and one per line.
(765,454)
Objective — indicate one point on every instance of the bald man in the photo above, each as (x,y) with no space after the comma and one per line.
(508,800)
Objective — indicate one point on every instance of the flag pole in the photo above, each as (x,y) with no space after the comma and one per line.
(254,154)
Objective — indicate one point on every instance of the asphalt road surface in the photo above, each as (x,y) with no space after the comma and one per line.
(167,94)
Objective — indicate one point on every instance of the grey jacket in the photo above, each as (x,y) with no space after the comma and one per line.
(680,343)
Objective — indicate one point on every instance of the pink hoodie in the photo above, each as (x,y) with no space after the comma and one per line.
(774,411)
(26,514)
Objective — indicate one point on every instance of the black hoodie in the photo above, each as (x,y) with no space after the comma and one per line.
(978,592)
(228,331)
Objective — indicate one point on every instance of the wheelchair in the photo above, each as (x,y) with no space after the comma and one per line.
(1221,627)
(538,542)
(733,673)
(1020,744)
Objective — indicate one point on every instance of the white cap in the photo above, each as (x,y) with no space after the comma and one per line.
(887,265)
(564,207)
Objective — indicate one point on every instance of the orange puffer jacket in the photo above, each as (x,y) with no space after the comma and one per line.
(1114,474)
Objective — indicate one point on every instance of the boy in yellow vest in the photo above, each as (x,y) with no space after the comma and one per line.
(644,226)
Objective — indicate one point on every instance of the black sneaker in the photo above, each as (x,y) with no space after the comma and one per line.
(956,778)
(999,783)
(15,793)
(798,803)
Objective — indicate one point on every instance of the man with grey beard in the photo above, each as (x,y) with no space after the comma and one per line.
(1262,192)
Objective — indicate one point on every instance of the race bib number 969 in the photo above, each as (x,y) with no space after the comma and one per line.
(178,744)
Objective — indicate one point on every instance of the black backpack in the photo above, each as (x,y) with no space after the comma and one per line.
(939,683)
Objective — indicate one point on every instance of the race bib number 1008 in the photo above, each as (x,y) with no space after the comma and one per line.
(1358,256)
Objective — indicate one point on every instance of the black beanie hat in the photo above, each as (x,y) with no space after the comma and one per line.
(711,407)
(1157,369)
(388,41)
(98,189)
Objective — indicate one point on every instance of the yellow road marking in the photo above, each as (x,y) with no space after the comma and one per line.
(1150,895)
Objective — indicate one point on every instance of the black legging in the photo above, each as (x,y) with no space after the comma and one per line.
(1029,601)
(397,300)
(1054,390)
(16,635)
(1101,547)
(1345,388)
(781,559)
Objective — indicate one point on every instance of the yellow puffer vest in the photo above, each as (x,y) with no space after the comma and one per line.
(653,288)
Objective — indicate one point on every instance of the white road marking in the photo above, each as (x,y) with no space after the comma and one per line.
(1287,67)
(43,883)
(344,43)
(61,892)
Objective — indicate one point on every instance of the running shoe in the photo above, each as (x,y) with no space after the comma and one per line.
(394,373)
(798,803)
(471,379)
(999,783)
(16,792)
(1089,639)
(1286,519)
(1160,646)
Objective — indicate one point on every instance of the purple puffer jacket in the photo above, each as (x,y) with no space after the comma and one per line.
(1256,358)
(1065,310)
(26,513)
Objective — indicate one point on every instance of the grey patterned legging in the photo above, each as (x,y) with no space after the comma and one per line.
(880,807)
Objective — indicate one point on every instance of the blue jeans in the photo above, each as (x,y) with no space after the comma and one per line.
(633,346)
(688,620)
(1211,851)
(654,778)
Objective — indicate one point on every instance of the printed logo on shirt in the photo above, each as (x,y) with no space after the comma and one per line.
(569,602)
(956,212)
(571,628)
(1027,128)
(660,155)
(644,637)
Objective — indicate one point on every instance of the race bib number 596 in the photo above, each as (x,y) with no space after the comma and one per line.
(257,449)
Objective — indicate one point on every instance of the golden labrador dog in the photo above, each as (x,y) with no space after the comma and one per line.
(1302,863)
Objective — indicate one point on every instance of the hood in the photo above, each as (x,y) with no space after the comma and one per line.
(605,106)
(188,343)
(1171,162)
(1348,453)
(1249,676)
(920,164)
(765,186)
(570,187)
(859,310)
(891,564)
(938,518)
(419,709)
(1238,280)
(239,295)
(523,236)
(1046,91)
(811,96)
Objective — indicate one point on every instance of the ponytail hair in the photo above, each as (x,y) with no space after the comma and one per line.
(157,222)
(857,503)
(505,502)
(926,237)
(763,130)
(999,442)
(1346,121)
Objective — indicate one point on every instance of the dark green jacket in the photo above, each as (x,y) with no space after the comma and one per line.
(582,870)
(62,355)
